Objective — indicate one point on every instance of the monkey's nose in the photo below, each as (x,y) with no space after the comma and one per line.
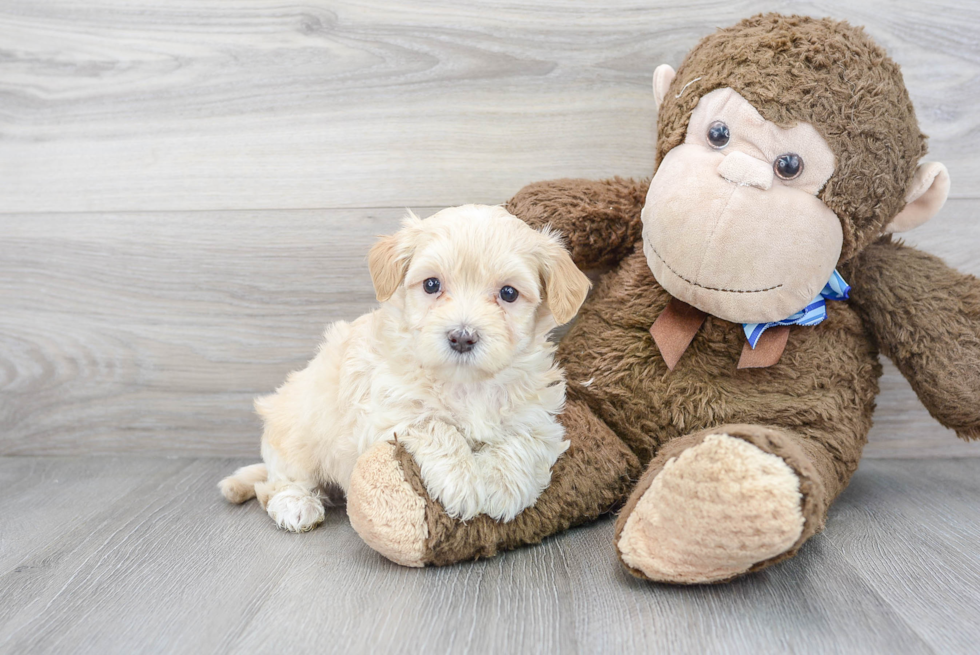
(463,340)
(746,170)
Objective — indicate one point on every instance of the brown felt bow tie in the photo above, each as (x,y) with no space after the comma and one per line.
(676,326)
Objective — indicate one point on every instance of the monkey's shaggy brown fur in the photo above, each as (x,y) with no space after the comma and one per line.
(627,413)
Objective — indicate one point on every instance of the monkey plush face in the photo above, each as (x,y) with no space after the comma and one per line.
(785,145)
(732,223)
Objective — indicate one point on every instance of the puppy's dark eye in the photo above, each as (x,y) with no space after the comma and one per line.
(508,294)
(432,285)
(788,166)
(718,135)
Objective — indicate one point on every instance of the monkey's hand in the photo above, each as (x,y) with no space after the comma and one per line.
(599,220)
(926,318)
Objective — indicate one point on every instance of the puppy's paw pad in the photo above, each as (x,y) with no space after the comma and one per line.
(235,491)
(712,513)
(296,510)
(385,510)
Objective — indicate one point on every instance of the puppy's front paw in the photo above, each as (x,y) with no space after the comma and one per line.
(296,510)
(448,469)
(504,502)
(461,495)
(510,492)
(515,476)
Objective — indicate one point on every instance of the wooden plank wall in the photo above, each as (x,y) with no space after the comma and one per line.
(188,189)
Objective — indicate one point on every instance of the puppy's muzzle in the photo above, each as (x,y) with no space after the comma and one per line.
(463,340)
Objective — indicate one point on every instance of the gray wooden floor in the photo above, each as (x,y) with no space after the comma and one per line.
(188,190)
(138,555)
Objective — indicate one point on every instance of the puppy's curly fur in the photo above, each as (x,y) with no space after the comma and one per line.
(479,420)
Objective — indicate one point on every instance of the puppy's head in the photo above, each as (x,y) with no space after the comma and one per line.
(475,287)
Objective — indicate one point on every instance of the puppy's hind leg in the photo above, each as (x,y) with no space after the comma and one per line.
(240,486)
(294,506)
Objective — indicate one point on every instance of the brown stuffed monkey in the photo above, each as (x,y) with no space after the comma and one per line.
(722,376)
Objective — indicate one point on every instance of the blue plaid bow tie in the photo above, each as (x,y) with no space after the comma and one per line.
(812,314)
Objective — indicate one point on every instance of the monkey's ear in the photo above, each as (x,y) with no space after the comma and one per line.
(662,77)
(925,198)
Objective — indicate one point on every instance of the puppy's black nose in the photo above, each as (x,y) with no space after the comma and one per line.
(463,341)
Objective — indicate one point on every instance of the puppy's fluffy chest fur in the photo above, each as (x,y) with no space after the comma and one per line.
(365,386)
(455,365)
(392,392)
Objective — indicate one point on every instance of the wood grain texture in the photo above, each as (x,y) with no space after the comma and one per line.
(922,543)
(132,105)
(151,333)
(159,267)
(141,555)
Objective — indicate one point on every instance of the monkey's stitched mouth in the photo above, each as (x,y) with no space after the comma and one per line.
(692,282)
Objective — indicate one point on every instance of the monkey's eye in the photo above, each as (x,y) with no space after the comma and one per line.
(718,135)
(508,294)
(432,285)
(788,166)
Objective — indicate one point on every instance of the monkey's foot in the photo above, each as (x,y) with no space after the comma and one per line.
(384,508)
(714,511)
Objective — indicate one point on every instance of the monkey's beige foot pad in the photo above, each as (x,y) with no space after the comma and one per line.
(712,512)
(385,510)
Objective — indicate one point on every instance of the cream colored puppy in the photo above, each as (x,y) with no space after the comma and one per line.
(455,364)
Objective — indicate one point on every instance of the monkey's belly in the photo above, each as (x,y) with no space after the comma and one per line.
(823,387)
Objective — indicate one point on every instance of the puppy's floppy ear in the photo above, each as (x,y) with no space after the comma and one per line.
(565,287)
(389,258)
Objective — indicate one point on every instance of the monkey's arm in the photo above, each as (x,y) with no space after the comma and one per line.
(391,509)
(926,318)
(599,220)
